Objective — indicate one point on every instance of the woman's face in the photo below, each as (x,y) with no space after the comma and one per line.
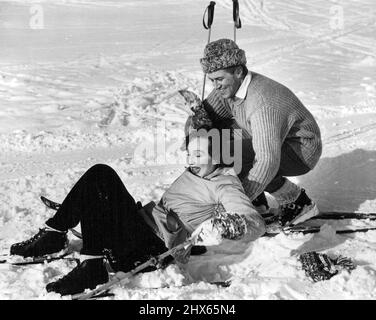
(198,158)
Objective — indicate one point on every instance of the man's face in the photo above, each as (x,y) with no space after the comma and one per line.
(198,157)
(225,82)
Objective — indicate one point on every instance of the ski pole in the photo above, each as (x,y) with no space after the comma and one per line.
(235,16)
(209,11)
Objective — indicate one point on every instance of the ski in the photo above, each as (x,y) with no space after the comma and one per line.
(271,232)
(306,230)
(38,260)
(76,233)
(50,204)
(326,215)
(55,206)
(270,220)
(332,215)
(107,294)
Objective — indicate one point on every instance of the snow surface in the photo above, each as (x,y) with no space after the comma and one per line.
(95,84)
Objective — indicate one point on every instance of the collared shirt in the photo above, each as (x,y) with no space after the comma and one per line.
(242,91)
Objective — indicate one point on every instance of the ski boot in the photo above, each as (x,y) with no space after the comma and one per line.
(86,275)
(261,204)
(302,209)
(43,243)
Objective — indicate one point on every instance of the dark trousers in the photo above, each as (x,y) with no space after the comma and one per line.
(290,165)
(108,216)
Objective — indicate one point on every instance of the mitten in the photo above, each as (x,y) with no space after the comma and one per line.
(321,267)
(230,225)
(199,117)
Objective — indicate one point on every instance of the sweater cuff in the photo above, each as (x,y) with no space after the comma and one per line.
(249,188)
(288,193)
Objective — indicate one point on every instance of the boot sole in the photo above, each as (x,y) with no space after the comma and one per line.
(48,255)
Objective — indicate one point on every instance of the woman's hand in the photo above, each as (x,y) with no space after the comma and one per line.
(224,225)
(182,256)
(209,234)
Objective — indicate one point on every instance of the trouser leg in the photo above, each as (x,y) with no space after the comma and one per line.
(107,213)
(291,165)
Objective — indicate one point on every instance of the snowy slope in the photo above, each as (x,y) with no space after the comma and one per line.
(95,84)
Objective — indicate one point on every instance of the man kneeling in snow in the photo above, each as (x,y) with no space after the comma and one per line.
(110,218)
(285,138)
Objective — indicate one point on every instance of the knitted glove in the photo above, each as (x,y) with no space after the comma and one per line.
(230,225)
(320,267)
(199,117)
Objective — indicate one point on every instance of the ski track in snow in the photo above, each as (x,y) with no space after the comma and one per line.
(60,117)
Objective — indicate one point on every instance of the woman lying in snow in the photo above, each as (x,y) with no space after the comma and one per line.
(110,218)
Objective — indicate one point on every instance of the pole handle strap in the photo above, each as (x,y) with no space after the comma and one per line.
(235,14)
(209,12)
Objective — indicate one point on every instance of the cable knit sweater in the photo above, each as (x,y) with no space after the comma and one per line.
(272,115)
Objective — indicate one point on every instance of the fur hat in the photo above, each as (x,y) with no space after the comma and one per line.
(222,54)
